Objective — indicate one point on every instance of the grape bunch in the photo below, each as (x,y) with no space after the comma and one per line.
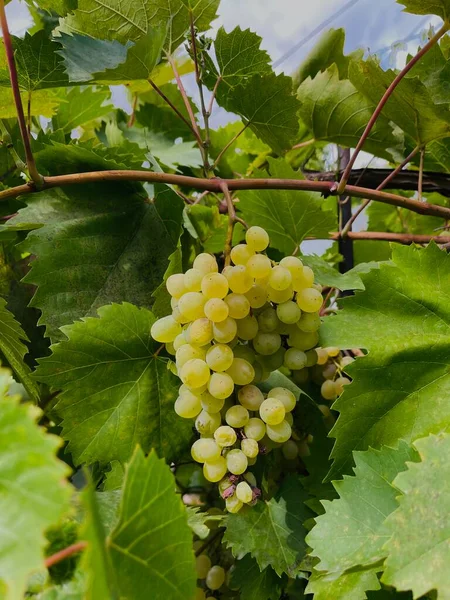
(212,576)
(228,331)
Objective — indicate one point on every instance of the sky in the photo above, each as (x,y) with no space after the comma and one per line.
(379,26)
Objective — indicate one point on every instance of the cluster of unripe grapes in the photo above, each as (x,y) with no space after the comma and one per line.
(212,576)
(228,331)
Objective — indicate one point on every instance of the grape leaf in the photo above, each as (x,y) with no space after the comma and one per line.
(398,220)
(433,70)
(13,349)
(410,106)
(272,531)
(441,8)
(400,390)
(81,106)
(127,394)
(420,527)
(28,470)
(288,216)
(96,243)
(71,590)
(197,520)
(161,306)
(151,545)
(254,584)
(352,531)
(348,586)
(335,111)
(42,102)
(38,64)
(266,103)
(328,50)
(326,274)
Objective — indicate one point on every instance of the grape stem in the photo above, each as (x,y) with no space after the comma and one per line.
(210,540)
(63,554)
(231,221)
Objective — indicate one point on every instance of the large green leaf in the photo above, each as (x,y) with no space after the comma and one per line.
(254,584)
(327,275)
(335,111)
(433,70)
(42,102)
(288,216)
(81,105)
(127,394)
(266,103)
(151,545)
(400,390)
(13,349)
(420,527)
(29,470)
(352,531)
(348,586)
(329,49)
(410,106)
(427,7)
(272,531)
(96,243)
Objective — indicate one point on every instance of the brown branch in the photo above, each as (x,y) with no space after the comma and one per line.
(170,103)
(387,94)
(326,188)
(382,185)
(63,554)
(132,118)
(402,238)
(9,51)
(229,144)
(213,95)
(303,144)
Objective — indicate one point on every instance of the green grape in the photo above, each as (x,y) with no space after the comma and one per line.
(211,404)
(322,356)
(280,279)
(173,303)
(289,418)
(292,264)
(290,450)
(179,341)
(257,238)
(250,397)
(215,577)
(215,471)
(178,317)
(266,343)
(279,296)
(329,390)
(224,484)
(288,312)
(250,448)
(191,305)
(257,295)
(206,423)
(279,433)
(303,280)
(241,371)
(239,279)
(303,341)
(324,409)
(317,287)
(311,357)
(225,331)
(188,405)
(200,332)
(250,478)
(300,377)
(303,449)
(309,322)
(205,449)
(202,565)
(225,436)
(247,328)
(244,492)
(193,280)
(220,385)
(175,285)
(340,383)
(206,263)
(238,305)
(216,310)
(329,371)
(165,330)
(237,416)
(309,300)
(272,411)
(241,253)
(259,266)
(284,328)
(170,348)
(255,429)
(214,285)
(219,357)
(286,396)
(268,320)
(233,504)
(195,373)
(273,361)
(295,359)
(188,352)
(236,462)
(244,351)
(333,351)
(345,361)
